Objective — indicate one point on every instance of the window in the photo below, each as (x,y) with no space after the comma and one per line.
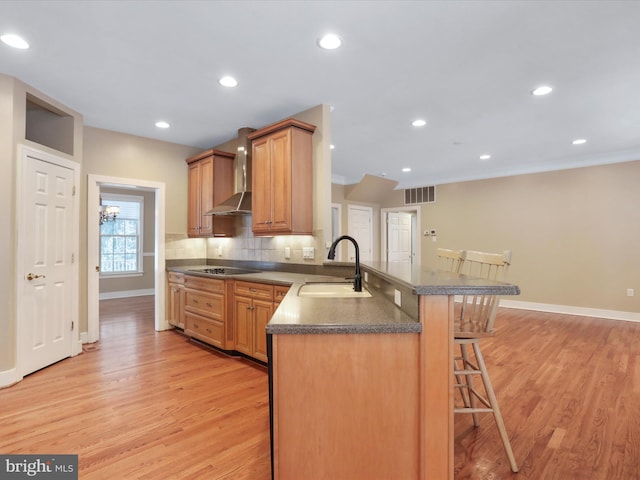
(121,239)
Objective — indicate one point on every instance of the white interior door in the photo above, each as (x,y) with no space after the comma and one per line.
(399,237)
(360,228)
(412,223)
(46,229)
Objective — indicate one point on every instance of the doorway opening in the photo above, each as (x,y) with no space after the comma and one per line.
(400,234)
(96,183)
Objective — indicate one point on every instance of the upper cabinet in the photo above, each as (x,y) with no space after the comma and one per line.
(210,183)
(282,179)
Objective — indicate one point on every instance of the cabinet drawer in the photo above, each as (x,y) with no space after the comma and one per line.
(213,285)
(175,277)
(254,290)
(204,329)
(209,305)
(279,292)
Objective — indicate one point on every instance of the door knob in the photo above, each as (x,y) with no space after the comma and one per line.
(31,276)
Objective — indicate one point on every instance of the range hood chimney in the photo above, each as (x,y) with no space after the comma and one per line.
(240,202)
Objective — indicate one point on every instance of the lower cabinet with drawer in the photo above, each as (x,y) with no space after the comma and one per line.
(175,299)
(228,314)
(252,310)
(204,309)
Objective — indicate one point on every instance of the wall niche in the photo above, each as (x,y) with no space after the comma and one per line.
(48,125)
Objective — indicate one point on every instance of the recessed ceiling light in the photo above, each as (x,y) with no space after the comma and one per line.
(406,169)
(162,124)
(332,146)
(485,157)
(14,41)
(419,123)
(579,141)
(542,90)
(228,81)
(330,41)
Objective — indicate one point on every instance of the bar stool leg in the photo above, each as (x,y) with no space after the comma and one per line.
(496,409)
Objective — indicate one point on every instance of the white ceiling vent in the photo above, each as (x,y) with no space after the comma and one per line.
(420,195)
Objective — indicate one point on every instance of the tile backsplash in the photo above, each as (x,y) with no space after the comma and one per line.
(245,246)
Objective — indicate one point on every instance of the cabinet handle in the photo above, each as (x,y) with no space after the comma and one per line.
(208,330)
(209,304)
(195,325)
(195,301)
(253,290)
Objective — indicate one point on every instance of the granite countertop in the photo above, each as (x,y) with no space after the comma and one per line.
(300,315)
(425,281)
(375,314)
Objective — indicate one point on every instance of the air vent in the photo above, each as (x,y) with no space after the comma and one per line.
(420,195)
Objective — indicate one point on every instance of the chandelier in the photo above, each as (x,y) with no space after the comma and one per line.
(108,213)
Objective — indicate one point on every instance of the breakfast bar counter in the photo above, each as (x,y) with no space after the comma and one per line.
(362,388)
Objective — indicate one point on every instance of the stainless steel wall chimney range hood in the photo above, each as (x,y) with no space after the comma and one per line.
(240,202)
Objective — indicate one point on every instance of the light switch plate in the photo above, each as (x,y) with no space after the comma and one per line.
(308,253)
(397,297)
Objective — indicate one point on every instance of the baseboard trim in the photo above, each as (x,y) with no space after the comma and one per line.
(571,310)
(9,377)
(127,294)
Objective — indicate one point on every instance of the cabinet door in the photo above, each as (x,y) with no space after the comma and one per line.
(242,317)
(222,226)
(206,196)
(176,305)
(262,312)
(261,185)
(193,209)
(280,149)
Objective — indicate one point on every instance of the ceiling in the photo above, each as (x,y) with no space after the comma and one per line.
(466,67)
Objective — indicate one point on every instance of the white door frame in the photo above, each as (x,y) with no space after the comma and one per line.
(383,230)
(93,249)
(334,234)
(23,152)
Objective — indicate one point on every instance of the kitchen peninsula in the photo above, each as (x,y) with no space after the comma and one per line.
(360,391)
(360,388)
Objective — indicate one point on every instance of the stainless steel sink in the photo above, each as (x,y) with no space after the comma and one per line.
(331,290)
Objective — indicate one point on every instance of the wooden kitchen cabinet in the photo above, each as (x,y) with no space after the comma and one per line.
(279,292)
(253,308)
(204,309)
(210,183)
(175,299)
(282,179)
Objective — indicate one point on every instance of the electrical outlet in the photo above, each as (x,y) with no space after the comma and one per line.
(630,292)
(397,297)
(287,252)
(366,277)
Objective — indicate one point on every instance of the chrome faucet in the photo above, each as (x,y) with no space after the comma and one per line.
(357,282)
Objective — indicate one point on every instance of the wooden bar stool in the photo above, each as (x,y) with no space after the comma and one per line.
(474,321)
(475,317)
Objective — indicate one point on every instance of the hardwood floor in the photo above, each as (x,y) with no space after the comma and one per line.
(142,404)
(569,391)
